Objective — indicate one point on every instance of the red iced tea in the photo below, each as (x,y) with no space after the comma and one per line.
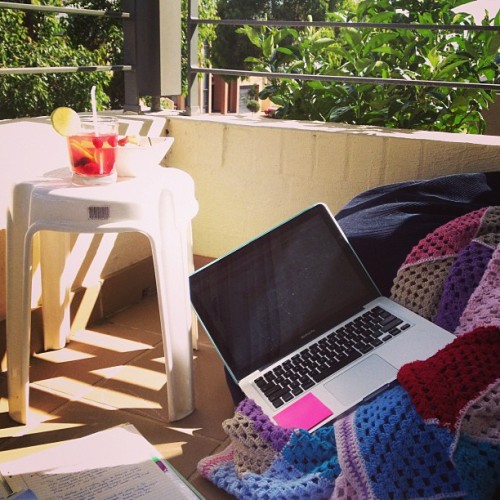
(92,155)
(92,150)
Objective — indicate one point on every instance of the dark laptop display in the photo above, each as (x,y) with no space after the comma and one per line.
(280,291)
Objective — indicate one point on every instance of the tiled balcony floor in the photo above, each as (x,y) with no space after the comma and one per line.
(111,374)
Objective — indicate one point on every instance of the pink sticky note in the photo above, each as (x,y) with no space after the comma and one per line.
(304,413)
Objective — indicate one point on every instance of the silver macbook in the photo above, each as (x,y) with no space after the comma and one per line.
(300,325)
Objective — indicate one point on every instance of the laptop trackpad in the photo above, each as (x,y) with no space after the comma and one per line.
(361,380)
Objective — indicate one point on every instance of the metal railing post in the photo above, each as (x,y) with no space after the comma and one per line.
(193,106)
(130,57)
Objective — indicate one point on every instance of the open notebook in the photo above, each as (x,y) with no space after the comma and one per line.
(301,326)
(115,463)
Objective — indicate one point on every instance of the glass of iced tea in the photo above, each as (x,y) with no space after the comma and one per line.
(92,150)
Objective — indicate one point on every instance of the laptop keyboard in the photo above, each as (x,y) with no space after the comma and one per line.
(328,355)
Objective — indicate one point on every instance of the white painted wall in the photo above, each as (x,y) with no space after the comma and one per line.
(252,173)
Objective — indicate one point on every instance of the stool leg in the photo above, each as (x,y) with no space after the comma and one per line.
(54,249)
(18,295)
(194,318)
(170,255)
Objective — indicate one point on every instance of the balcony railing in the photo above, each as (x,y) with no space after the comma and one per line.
(195,69)
(146,61)
(153,69)
(344,79)
(67,11)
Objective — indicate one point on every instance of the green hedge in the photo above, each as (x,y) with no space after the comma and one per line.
(416,54)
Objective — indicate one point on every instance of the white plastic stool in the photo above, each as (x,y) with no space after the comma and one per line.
(161,205)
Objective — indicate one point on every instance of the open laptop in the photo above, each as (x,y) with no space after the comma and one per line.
(284,310)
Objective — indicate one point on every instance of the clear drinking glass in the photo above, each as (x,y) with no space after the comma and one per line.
(92,150)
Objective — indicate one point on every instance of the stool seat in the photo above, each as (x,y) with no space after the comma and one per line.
(160,205)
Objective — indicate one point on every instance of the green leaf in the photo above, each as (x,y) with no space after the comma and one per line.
(253,60)
(315,85)
(268,46)
(379,39)
(494,45)
(285,50)
(448,69)
(338,113)
(252,35)
(381,68)
(389,50)
(460,103)
(352,36)
(284,33)
(322,42)
(296,65)
(433,57)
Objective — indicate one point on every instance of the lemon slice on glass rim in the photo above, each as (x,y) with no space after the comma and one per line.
(65,121)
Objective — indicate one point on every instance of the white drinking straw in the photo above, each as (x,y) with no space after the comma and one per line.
(94,109)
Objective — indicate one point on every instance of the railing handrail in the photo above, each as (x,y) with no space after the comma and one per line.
(338,24)
(64,69)
(64,10)
(347,79)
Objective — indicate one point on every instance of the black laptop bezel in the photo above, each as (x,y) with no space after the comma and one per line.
(214,275)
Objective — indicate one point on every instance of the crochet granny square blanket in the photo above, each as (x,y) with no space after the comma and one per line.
(435,434)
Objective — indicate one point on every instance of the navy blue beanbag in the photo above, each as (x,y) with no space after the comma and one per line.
(384,223)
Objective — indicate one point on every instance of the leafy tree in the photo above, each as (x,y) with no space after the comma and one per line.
(383,53)
(29,39)
(102,36)
(229,50)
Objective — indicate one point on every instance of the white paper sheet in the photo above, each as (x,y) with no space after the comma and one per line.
(118,463)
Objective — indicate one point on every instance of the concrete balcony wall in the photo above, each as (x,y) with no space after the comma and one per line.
(251,173)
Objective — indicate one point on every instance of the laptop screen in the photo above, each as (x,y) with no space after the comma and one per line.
(280,291)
